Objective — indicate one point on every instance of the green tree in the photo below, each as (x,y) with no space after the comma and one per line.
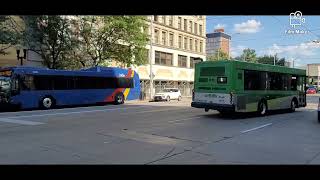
(219,55)
(51,37)
(249,55)
(268,59)
(9,36)
(119,38)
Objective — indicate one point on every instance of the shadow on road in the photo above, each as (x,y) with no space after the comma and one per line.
(7,108)
(236,116)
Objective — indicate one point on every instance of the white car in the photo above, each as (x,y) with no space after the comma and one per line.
(168,94)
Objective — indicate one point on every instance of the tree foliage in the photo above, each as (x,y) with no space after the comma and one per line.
(268,59)
(9,36)
(49,36)
(219,55)
(118,38)
(249,55)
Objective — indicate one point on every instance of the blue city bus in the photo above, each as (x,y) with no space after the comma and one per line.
(31,87)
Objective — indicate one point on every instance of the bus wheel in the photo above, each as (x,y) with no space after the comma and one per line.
(47,102)
(179,98)
(206,109)
(262,108)
(168,98)
(293,106)
(119,99)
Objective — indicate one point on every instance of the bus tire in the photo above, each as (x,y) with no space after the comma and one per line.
(168,98)
(119,99)
(293,105)
(262,108)
(179,98)
(47,102)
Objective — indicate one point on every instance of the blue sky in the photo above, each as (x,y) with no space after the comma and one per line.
(267,35)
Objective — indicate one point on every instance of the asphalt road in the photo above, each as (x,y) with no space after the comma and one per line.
(158,133)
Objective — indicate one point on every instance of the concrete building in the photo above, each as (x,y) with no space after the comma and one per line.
(218,40)
(176,42)
(10,59)
(313,72)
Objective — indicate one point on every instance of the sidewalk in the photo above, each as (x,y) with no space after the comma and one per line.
(147,100)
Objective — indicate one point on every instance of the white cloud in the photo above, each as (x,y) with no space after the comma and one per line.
(219,26)
(303,49)
(251,26)
(236,51)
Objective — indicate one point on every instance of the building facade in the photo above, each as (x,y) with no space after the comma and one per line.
(313,72)
(218,40)
(177,41)
(10,59)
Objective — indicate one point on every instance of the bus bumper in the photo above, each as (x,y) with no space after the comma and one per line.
(224,107)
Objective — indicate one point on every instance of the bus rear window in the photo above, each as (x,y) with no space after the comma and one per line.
(212,71)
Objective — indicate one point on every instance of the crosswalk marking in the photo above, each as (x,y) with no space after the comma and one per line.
(23,122)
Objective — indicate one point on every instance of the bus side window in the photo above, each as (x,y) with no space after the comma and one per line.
(27,83)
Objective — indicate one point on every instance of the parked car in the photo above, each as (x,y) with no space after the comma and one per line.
(168,94)
(311,91)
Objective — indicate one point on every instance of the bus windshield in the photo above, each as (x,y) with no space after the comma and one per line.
(5,83)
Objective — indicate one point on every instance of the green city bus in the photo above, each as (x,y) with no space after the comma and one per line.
(238,86)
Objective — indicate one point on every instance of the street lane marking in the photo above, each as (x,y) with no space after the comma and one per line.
(16,121)
(67,113)
(178,120)
(259,127)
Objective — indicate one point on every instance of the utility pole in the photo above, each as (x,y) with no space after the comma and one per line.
(292,63)
(150,59)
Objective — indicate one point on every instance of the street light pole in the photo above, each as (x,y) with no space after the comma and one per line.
(150,60)
(20,58)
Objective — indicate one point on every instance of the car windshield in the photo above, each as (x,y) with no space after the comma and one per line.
(4,83)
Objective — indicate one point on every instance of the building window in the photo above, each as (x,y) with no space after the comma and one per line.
(196,45)
(162,58)
(195,28)
(164,37)
(185,25)
(200,29)
(171,39)
(171,21)
(180,41)
(201,49)
(182,61)
(156,36)
(192,62)
(179,22)
(156,18)
(191,45)
(190,26)
(185,43)
(164,19)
